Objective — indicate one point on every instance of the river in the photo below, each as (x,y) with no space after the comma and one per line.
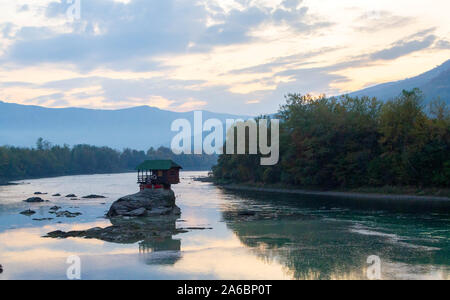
(247,236)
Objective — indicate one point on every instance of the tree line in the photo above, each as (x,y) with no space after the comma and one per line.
(353,142)
(47,160)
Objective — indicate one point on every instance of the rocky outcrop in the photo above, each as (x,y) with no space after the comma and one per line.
(146,203)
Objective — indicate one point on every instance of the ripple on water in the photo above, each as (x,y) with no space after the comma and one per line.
(392,238)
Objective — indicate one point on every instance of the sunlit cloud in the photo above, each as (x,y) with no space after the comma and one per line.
(210,54)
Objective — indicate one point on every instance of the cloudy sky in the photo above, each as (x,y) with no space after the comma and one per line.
(235,56)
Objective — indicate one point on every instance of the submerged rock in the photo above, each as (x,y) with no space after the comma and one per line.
(56,195)
(94,197)
(67,214)
(146,203)
(198,228)
(34,200)
(39,193)
(43,219)
(71,196)
(55,208)
(28,212)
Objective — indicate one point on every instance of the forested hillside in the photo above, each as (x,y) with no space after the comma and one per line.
(353,142)
(48,160)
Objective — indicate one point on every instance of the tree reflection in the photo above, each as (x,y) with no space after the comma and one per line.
(315,244)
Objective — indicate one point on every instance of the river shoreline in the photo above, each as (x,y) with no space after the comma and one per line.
(387,192)
(386,200)
(19,180)
(336,194)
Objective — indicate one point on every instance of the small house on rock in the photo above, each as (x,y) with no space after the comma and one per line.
(158,174)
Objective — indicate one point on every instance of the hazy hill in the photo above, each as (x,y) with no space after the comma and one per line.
(434,83)
(143,127)
(137,128)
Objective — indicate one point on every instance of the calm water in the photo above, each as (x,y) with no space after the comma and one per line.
(252,237)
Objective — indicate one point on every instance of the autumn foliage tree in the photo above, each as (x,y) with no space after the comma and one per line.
(353,142)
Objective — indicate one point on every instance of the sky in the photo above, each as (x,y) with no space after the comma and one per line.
(230,56)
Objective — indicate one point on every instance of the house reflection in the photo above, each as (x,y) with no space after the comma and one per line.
(153,235)
(160,251)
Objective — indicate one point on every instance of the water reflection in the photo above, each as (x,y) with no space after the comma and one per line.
(318,242)
(149,251)
(254,236)
(153,235)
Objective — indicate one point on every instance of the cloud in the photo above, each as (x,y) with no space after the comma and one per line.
(231,56)
(307,80)
(374,21)
(291,4)
(442,44)
(128,36)
(158,92)
(284,61)
(402,48)
(23,8)
(6,30)
(55,99)
(6,84)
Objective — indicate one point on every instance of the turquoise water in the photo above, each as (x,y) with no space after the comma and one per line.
(253,236)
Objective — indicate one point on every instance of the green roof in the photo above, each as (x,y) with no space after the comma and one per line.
(151,165)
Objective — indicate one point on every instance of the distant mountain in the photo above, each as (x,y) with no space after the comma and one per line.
(434,83)
(137,128)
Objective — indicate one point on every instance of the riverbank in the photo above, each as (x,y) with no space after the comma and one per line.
(386,191)
(335,193)
(382,201)
(389,197)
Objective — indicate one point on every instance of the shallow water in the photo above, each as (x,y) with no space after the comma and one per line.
(253,236)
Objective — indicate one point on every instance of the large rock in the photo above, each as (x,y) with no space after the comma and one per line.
(146,203)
